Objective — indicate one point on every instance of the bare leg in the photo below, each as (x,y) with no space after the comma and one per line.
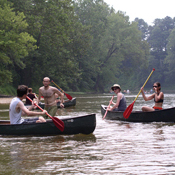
(41,120)
(146,109)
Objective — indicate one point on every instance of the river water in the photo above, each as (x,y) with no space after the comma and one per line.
(114,148)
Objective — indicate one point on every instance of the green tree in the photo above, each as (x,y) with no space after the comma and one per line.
(61,41)
(170,59)
(122,49)
(117,45)
(92,14)
(143,27)
(15,42)
(158,40)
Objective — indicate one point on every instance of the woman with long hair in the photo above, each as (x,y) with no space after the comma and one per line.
(158,97)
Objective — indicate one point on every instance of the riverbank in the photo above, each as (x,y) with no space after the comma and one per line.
(5,96)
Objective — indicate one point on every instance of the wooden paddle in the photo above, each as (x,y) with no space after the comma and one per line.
(108,107)
(58,123)
(67,95)
(128,110)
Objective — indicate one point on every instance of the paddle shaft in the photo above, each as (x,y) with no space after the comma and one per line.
(57,86)
(108,106)
(67,95)
(144,83)
(58,123)
(128,110)
(38,106)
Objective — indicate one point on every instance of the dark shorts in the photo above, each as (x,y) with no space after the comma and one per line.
(30,120)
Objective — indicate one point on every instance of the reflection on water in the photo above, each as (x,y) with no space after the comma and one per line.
(114,148)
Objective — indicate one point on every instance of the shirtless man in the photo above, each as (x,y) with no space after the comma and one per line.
(48,92)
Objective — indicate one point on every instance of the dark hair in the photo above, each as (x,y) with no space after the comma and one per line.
(158,84)
(30,90)
(22,90)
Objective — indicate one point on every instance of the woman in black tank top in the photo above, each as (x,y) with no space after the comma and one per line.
(158,97)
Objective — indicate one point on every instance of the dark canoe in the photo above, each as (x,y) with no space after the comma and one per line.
(66,103)
(165,115)
(75,125)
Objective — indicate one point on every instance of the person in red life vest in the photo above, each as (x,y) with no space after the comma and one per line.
(158,97)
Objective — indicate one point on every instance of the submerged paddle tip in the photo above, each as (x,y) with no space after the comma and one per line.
(128,110)
(126,116)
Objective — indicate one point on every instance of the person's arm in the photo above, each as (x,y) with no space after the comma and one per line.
(112,103)
(144,96)
(119,96)
(39,96)
(25,111)
(159,96)
(61,97)
(35,95)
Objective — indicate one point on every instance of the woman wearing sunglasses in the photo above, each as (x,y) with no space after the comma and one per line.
(120,104)
(158,97)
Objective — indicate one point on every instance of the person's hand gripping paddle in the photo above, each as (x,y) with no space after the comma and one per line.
(108,107)
(128,110)
(58,123)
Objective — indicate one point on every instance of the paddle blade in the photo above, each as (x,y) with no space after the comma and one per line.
(58,123)
(68,96)
(128,110)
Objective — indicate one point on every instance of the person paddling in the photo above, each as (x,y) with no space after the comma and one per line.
(158,97)
(120,104)
(17,109)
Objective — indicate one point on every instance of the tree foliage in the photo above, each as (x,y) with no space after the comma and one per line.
(83,45)
(15,42)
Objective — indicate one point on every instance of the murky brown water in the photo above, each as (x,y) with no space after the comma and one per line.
(114,148)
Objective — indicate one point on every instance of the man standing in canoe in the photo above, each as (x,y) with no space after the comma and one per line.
(17,109)
(48,92)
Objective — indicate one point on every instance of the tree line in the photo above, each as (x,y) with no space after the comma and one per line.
(83,45)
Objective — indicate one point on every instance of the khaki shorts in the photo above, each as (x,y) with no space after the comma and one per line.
(51,110)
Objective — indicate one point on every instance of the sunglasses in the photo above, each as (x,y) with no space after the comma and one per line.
(115,89)
(155,86)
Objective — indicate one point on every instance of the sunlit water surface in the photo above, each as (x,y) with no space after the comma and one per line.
(114,148)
